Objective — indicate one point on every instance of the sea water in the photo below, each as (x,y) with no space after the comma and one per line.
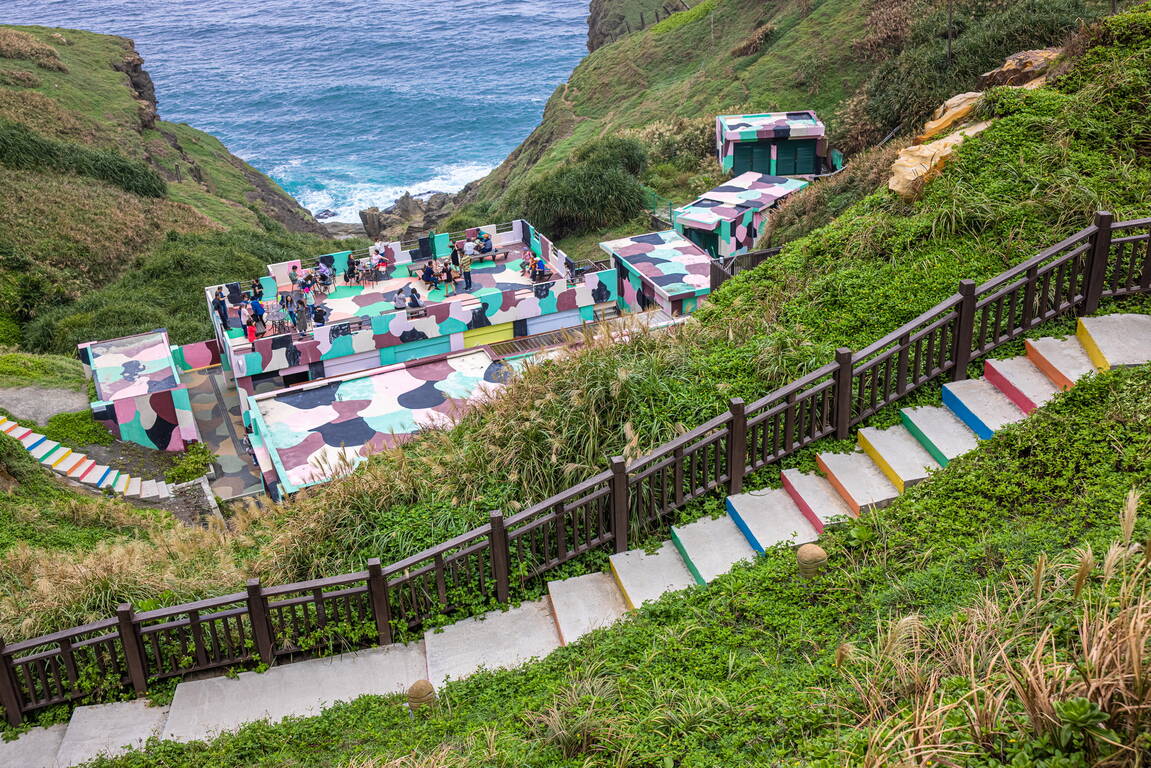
(346,103)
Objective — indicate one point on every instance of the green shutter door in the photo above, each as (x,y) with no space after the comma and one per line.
(785,158)
(741,162)
(761,158)
(805,156)
(709,241)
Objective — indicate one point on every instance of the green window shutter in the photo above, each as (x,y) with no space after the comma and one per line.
(805,157)
(785,158)
(742,160)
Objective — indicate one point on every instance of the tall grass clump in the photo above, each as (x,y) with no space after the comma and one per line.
(23,149)
(20,45)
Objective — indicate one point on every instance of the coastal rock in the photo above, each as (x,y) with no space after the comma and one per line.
(917,164)
(379,223)
(950,113)
(1021,68)
(141,82)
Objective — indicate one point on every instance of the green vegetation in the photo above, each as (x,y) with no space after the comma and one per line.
(96,182)
(1009,585)
(23,149)
(193,463)
(20,369)
(1055,155)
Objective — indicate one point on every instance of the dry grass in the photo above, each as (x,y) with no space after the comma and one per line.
(21,45)
(1061,654)
(19,78)
(756,41)
(42,114)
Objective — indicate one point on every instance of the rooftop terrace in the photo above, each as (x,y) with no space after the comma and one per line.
(132,365)
(769,125)
(730,200)
(673,265)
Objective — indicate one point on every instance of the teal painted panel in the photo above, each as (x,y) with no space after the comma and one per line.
(341,347)
(422,348)
(253,363)
(268,284)
(341,263)
(441,245)
(587,314)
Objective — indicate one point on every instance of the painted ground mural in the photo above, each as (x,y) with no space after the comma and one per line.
(663,268)
(312,430)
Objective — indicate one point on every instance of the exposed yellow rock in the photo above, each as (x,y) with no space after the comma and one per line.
(1021,68)
(949,113)
(920,162)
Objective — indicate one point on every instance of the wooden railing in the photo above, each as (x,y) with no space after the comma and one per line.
(724,268)
(609,511)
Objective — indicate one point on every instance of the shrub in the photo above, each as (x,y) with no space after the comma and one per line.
(193,463)
(614,152)
(677,138)
(19,78)
(77,430)
(23,149)
(579,198)
(20,45)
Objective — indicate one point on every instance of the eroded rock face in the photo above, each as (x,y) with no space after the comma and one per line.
(141,82)
(949,114)
(919,163)
(1021,68)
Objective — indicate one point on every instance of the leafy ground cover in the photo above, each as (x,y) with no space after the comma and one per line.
(995,614)
(1054,155)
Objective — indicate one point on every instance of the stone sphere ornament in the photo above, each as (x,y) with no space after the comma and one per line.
(421,694)
(811,559)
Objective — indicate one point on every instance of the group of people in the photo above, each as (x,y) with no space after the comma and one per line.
(317,280)
(255,315)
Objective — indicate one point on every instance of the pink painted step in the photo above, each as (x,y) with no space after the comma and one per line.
(1024,384)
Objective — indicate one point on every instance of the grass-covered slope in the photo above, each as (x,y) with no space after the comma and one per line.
(964,623)
(91,178)
(1055,155)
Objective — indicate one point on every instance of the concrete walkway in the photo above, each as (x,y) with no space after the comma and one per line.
(216,408)
(41,403)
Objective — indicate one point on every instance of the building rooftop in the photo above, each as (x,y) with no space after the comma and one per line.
(674,265)
(132,365)
(312,431)
(770,125)
(730,200)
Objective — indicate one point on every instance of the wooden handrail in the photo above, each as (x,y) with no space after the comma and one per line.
(716,454)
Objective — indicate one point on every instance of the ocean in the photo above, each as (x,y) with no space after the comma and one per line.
(346,103)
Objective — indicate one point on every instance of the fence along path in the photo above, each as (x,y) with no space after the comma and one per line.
(606,511)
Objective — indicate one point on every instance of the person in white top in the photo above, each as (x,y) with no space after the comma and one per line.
(470,247)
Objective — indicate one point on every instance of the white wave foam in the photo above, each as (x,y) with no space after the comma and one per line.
(348,198)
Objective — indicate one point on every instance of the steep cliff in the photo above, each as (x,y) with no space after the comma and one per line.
(610,19)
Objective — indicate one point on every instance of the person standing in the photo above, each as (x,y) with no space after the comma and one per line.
(466,268)
(257,309)
(221,308)
(294,277)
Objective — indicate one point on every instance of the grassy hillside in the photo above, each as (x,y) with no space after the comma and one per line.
(78,122)
(945,630)
(1054,155)
(866,67)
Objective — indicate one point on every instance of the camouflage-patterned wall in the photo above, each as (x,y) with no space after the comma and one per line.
(200,354)
(162,421)
(735,129)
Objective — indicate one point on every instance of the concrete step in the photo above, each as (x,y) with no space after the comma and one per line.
(121,484)
(133,488)
(203,708)
(496,640)
(1116,340)
(42,449)
(98,474)
(858,480)
(30,439)
(73,460)
(816,499)
(979,405)
(148,489)
(898,455)
(1021,381)
(163,491)
(1063,361)
(57,457)
(80,471)
(642,577)
(36,748)
(770,517)
(939,431)
(711,548)
(585,603)
(108,729)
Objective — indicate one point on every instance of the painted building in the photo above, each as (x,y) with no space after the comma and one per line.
(364,330)
(775,143)
(661,269)
(139,396)
(727,220)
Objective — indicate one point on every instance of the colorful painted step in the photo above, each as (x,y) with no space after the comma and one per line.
(133,488)
(30,439)
(1063,361)
(858,480)
(979,405)
(43,448)
(711,547)
(1116,340)
(70,462)
(96,475)
(58,457)
(939,431)
(1021,381)
(898,455)
(585,603)
(642,577)
(771,517)
(816,499)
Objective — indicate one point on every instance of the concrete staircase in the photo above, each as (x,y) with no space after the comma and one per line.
(887,462)
(80,468)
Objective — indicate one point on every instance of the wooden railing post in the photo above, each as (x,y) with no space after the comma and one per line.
(378,595)
(736,445)
(1097,266)
(619,502)
(498,543)
(964,329)
(258,617)
(9,694)
(843,391)
(133,649)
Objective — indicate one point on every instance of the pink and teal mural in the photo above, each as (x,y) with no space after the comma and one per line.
(778,143)
(727,220)
(660,268)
